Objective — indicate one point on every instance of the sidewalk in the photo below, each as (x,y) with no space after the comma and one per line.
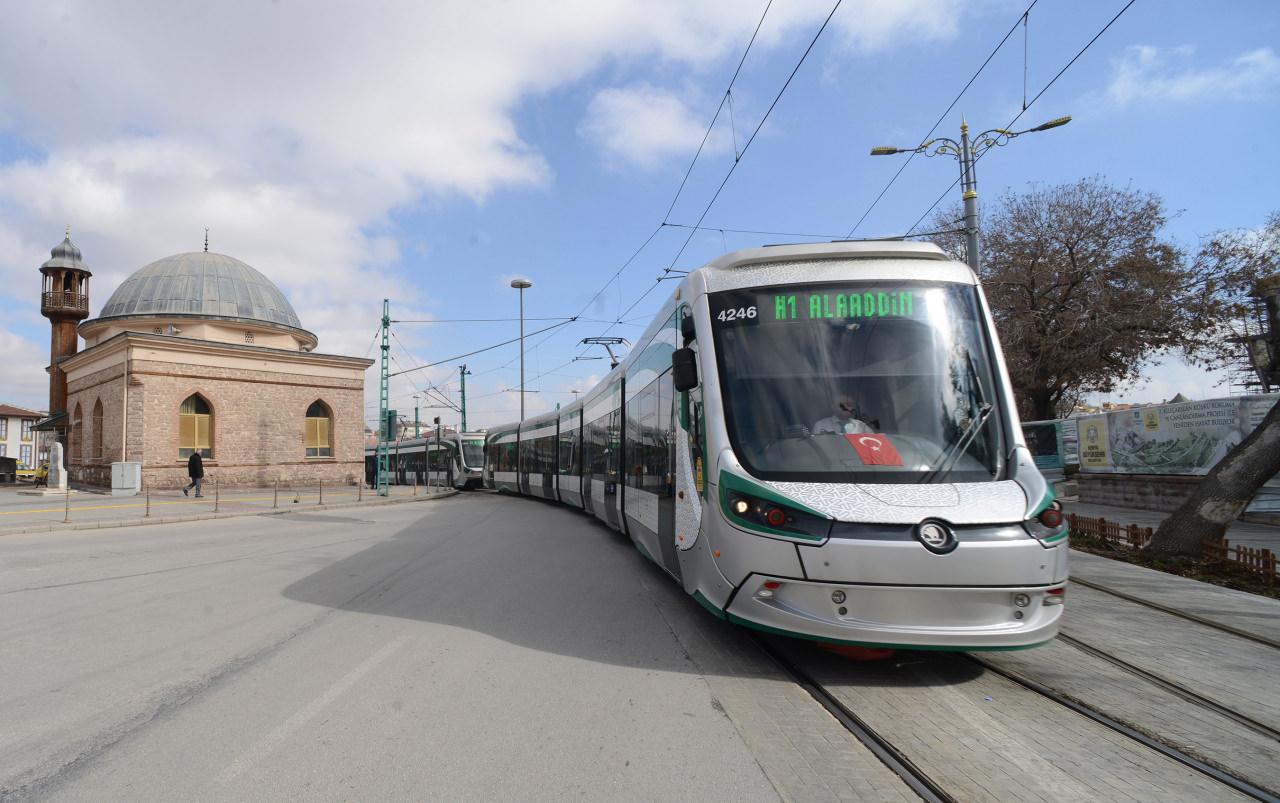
(1239,533)
(92,509)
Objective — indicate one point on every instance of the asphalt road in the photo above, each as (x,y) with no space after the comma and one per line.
(469,648)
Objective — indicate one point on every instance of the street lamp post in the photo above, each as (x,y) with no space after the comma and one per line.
(521,285)
(967,152)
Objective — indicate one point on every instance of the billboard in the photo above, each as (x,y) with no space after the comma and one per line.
(1186,438)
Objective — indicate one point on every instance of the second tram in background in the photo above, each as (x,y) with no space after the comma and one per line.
(819,441)
(454,458)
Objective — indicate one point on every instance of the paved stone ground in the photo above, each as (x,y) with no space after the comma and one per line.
(806,753)
(1104,687)
(1232,671)
(984,738)
(1248,612)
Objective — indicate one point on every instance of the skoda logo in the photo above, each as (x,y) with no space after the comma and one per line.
(936,537)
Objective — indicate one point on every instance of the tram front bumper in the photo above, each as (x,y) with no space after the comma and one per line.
(908,617)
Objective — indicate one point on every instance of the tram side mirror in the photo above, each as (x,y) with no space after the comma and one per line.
(684,369)
(687,330)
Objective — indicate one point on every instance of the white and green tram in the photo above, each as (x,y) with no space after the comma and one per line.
(819,441)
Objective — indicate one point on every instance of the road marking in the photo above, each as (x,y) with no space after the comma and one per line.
(284,730)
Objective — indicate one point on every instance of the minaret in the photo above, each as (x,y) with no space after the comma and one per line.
(64,300)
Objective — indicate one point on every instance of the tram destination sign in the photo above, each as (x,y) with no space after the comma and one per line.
(791,303)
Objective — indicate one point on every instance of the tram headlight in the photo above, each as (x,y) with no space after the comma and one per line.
(769,516)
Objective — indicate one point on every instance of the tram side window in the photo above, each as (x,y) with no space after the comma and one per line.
(663,468)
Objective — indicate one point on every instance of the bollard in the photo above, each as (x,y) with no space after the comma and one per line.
(147,515)
(215,495)
(415,485)
(66,513)
(275,499)
(360,491)
(320,501)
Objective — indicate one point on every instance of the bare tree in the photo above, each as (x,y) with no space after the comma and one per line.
(1239,259)
(1084,290)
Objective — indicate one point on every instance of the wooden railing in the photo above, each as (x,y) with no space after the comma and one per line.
(1255,559)
(65,299)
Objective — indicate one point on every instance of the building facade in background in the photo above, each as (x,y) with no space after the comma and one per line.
(199,352)
(18,438)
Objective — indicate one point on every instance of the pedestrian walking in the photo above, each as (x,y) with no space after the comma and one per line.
(195,470)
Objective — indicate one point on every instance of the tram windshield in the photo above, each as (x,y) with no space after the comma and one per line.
(859,382)
(473,452)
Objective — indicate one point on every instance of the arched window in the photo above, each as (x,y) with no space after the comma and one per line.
(96,437)
(77,433)
(195,427)
(319,430)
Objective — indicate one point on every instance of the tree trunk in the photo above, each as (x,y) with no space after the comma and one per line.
(1223,493)
(1042,406)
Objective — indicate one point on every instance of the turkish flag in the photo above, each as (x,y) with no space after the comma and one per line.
(875,450)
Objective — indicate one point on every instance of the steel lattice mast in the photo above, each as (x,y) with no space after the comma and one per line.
(384,462)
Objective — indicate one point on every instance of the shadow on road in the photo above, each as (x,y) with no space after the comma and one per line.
(548,578)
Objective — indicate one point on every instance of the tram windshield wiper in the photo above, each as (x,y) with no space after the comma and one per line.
(957,448)
(971,429)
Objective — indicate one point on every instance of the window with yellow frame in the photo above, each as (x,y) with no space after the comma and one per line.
(195,427)
(318,433)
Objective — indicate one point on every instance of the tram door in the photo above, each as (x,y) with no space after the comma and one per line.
(665,470)
(613,466)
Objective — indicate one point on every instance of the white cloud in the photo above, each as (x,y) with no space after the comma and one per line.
(644,125)
(23,380)
(296,130)
(1150,74)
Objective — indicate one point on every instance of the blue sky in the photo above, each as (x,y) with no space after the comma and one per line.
(350,161)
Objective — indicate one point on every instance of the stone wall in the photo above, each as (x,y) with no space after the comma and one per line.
(1162,492)
(258,424)
(107,386)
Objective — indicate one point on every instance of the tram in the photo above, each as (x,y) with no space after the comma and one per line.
(818,441)
(454,458)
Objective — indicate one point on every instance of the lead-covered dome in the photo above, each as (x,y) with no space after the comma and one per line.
(204,285)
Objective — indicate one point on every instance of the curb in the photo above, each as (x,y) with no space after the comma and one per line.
(105,524)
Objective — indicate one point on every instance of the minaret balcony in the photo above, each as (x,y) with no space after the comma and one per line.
(64,302)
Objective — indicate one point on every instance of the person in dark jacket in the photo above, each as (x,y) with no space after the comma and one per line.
(195,470)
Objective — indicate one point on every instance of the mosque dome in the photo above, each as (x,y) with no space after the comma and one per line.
(204,285)
(65,255)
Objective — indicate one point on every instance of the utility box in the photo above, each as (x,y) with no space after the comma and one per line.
(126,479)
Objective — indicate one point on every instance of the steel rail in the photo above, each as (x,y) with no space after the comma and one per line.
(1227,779)
(892,757)
(1173,687)
(1190,617)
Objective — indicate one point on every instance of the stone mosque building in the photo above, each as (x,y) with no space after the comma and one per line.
(196,352)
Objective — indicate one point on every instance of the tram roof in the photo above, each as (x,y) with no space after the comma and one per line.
(858,249)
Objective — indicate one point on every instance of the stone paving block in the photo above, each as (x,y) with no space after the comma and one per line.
(1017,746)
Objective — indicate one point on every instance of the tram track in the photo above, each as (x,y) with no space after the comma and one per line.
(1231,780)
(931,789)
(1173,687)
(898,762)
(1190,617)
